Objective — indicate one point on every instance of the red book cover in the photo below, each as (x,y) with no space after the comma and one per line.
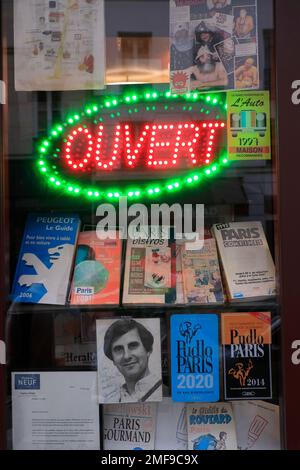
(96,278)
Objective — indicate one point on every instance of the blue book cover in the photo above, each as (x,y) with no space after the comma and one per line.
(46,258)
(195,358)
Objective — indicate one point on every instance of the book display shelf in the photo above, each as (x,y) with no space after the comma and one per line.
(149,342)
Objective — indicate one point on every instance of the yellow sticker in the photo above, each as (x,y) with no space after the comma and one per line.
(248,125)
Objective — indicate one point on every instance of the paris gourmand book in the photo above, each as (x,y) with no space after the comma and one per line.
(129,426)
(246,259)
(195,357)
(211,426)
(96,279)
(246,348)
(46,258)
(150,267)
(201,275)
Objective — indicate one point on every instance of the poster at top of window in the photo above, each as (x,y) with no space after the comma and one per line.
(213,45)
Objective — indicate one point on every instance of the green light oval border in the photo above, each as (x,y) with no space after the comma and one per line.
(49,171)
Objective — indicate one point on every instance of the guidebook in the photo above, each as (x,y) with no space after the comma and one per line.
(211,426)
(194,357)
(246,345)
(96,279)
(150,267)
(46,259)
(129,426)
(201,275)
(246,259)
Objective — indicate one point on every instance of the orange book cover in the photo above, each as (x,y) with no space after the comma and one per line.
(96,279)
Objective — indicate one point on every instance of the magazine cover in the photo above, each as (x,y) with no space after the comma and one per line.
(195,357)
(246,259)
(171,426)
(211,426)
(201,275)
(213,44)
(129,360)
(257,424)
(129,426)
(97,272)
(249,126)
(46,258)
(59,45)
(150,268)
(246,345)
(70,349)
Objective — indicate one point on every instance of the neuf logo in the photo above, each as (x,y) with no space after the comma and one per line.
(27,382)
(2,353)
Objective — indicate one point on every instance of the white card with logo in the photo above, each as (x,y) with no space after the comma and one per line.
(55,411)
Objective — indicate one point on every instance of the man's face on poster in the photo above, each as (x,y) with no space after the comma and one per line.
(205,36)
(205,59)
(229,46)
(219,3)
(130,356)
(249,63)
(181,34)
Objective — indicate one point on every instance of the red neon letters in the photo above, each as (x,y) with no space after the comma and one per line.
(155,146)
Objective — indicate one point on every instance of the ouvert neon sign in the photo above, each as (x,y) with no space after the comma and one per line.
(136,145)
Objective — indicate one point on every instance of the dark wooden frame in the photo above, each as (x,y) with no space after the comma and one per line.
(4,228)
(287,15)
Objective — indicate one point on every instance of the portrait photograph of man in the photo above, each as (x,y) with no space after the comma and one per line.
(129,360)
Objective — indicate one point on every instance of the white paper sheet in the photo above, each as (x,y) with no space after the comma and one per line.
(55,411)
(171,426)
(59,45)
(258,426)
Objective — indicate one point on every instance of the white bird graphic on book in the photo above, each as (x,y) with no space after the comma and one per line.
(60,258)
